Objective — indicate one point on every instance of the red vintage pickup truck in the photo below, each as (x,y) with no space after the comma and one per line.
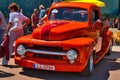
(73,39)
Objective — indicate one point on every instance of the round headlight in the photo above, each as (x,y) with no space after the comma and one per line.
(21,50)
(72,54)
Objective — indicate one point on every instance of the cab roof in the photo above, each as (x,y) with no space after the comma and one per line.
(84,5)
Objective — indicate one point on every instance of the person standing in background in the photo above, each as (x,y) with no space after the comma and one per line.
(16,23)
(107,22)
(42,11)
(43,20)
(116,23)
(3,26)
(34,19)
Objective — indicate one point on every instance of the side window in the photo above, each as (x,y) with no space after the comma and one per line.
(95,16)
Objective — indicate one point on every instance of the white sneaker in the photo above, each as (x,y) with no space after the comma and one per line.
(1,64)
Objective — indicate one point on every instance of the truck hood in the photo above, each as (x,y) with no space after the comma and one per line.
(60,30)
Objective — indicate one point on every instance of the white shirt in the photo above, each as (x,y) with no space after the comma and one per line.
(16,19)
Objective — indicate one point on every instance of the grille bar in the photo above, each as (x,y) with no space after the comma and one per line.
(46,52)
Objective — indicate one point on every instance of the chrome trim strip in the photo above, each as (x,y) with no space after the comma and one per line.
(46,52)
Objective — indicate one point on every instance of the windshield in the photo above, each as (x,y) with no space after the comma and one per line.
(75,14)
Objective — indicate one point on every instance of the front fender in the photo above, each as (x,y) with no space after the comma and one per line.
(85,48)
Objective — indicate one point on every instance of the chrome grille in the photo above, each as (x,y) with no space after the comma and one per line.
(48,56)
(47,48)
(51,52)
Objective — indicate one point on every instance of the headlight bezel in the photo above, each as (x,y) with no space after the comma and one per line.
(21,49)
(72,54)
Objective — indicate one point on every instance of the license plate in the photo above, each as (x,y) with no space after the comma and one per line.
(44,67)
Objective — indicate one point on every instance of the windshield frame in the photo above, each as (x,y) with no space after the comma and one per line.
(73,11)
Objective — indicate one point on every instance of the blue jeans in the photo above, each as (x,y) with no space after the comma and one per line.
(2,32)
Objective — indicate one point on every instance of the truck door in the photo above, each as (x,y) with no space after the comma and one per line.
(96,28)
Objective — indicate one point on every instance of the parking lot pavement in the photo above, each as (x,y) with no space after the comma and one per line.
(115,54)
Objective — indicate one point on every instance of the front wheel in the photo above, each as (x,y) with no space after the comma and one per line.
(90,66)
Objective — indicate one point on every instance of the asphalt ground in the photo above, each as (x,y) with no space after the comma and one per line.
(107,69)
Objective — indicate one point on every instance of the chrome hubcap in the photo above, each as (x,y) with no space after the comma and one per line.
(91,62)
